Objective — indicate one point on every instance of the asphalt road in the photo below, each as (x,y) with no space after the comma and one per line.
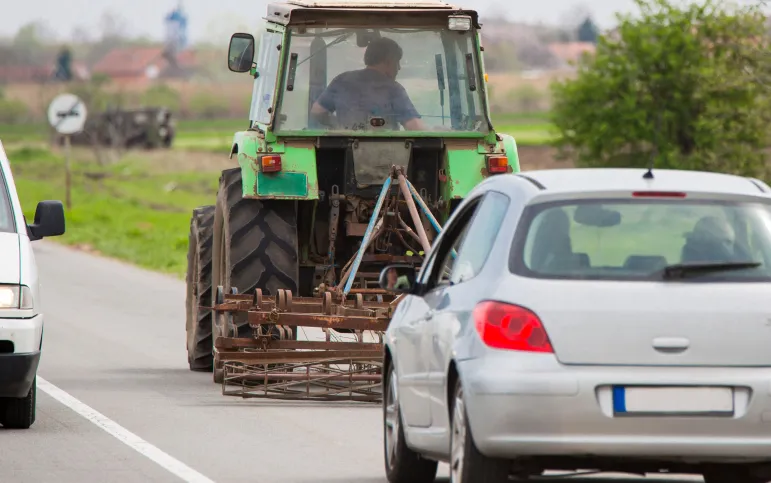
(115,340)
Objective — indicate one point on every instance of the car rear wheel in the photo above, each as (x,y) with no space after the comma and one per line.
(467,464)
(402,464)
(19,413)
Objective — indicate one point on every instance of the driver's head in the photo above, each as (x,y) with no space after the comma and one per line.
(711,240)
(384,55)
(715,230)
(393,276)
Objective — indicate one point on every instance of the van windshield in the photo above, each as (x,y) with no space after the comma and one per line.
(391,79)
(6,214)
(638,239)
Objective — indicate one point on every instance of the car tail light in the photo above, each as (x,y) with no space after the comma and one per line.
(658,194)
(505,326)
(497,164)
(271,164)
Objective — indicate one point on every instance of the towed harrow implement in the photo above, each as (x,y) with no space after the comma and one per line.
(329,346)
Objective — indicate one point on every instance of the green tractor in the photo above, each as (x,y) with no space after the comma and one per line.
(343,91)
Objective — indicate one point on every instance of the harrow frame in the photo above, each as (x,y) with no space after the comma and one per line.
(275,364)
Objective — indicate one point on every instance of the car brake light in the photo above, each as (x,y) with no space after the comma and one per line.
(271,164)
(497,164)
(505,326)
(658,194)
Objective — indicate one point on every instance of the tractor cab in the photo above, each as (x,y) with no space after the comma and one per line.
(361,69)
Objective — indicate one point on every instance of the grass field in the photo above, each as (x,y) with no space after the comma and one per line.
(137,210)
(216,135)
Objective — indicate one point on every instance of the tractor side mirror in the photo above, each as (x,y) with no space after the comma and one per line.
(241,52)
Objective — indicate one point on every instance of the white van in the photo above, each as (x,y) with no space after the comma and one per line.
(21,321)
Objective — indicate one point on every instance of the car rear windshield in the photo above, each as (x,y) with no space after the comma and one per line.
(643,239)
(6,215)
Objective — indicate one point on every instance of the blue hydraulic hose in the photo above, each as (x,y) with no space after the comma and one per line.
(367,235)
(423,207)
(428,213)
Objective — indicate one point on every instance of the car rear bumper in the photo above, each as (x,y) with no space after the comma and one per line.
(538,407)
(17,371)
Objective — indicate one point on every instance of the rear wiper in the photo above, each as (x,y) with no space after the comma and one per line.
(681,270)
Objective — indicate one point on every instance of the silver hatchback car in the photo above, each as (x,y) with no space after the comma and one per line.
(614,320)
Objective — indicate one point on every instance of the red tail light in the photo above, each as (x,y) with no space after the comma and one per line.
(504,326)
(497,164)
(271,163)
(658,194)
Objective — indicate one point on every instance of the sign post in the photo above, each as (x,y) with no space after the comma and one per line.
(67,115)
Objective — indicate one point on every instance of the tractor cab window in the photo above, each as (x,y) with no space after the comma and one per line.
(391,79)
(265,84)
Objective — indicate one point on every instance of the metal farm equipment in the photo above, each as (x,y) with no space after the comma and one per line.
(283,298)
(273,363)
(147,128)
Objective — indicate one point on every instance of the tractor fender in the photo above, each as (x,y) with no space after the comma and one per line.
(510,149)
(296,179)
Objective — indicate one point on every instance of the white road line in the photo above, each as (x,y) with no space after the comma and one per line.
(130,439)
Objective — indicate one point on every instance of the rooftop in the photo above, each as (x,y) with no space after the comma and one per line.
(631,179)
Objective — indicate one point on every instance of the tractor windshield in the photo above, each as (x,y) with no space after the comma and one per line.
(395,79)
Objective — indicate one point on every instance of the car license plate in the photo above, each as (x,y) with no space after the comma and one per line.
(663,400)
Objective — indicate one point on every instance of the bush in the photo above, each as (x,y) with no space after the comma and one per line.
(162,95)
(207,106)
(687,87)
(13,111)
(525,98)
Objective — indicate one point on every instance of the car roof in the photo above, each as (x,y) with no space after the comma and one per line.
(588,180)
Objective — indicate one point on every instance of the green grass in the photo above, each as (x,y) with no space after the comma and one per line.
(131,214)
(216,135)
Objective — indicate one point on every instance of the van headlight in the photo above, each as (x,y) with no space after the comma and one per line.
(15,297)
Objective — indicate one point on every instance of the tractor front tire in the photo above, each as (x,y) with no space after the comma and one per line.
(200,355)
(255,246)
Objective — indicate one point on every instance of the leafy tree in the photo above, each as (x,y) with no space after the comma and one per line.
(687,87)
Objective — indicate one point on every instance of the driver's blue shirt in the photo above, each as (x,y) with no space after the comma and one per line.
(359,95)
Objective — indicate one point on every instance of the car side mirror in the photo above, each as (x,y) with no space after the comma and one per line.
(241,52)
(398,278)
(49,220)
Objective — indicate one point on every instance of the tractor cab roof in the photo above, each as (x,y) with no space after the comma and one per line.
(308,12)
(371,4)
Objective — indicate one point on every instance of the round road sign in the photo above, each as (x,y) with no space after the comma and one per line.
(67,114)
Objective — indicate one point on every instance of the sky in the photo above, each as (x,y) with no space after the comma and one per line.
(215,19)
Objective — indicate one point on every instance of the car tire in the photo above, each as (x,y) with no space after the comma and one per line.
(467,463)
(402,464)
(19,413)
(730,474)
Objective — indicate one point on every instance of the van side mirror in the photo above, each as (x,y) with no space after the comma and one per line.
(49,220)
(398,278)
(241,52)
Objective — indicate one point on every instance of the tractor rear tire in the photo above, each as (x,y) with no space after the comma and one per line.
(200,355)
(255,246)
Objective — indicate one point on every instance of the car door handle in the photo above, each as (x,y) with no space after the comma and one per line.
(671,344)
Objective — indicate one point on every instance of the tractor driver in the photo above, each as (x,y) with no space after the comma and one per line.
(357,96)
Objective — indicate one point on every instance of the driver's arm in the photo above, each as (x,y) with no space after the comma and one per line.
(407,115)
(415,124)
(322,109)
